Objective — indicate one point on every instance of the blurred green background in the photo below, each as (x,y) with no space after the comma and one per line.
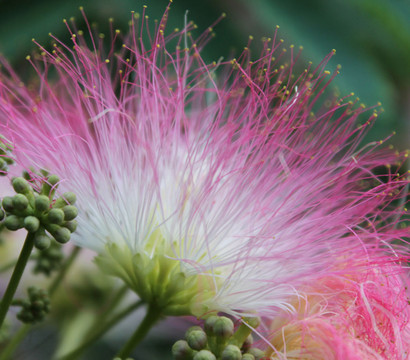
(372,39)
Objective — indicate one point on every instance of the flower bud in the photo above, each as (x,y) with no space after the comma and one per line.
(257,353)
(204,355)
(231,352)
(61,234)
(42,241)
(2,214)
(209,324)
(197,339)
(181,350)
(42,203)
(248,357)
(20,202)
(7,203)
(48,187)
(13,223)
(223,327)
(70,212)
(56,216)
(69,197)
(71,225)
(31,223)
(247,344)
(20,185)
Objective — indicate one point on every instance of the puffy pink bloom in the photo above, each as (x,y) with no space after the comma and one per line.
(359,316)
(204,187)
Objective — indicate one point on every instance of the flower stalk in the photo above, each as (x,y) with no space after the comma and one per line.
(151,318)
(16,276)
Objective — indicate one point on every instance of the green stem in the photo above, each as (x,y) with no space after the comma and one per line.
(151,317)
(16,276)
(101,330)
(63,270)
(11,347)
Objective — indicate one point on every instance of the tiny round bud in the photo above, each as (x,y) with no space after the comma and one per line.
(20,185)
(13,223)
(62,235)
(257,353)
(20,202)
(231,352)
(31,223)
(223,327)
(181,350)
(209,324)
(71,225)
(253,321)
(70,212)
(42,203)
(2,214)
(7,203)
(247,343)
(53,179)
(204,355)
(56,216)
(248,357)
(70,197)
(197,339)
(42,242)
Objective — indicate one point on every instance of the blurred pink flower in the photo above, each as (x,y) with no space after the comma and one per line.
(359,316)
(220,187)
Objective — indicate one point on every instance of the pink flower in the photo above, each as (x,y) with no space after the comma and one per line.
(359,316)
(204,187)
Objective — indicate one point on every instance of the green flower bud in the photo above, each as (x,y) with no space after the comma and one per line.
(70,197)
(70,212)
(182,351)
(20,202)
(53,180)
(248,357)
(42,203)
(204,355)
(2,214)
(209,324)
(56,216)
(231,352)
(42,241)
(197,339)
(71,225)
(62,235)
(13,223)
(257,353)
(20,185)
(254,322)
(247,344)
(49,187)
(7,203)
(31,223)
(223,327)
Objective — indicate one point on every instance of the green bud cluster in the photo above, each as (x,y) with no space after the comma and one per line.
(38,212)
(35,308)
(48,260)
(5,156)
(219,341)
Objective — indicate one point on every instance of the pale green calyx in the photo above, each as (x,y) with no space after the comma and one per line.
(158,279)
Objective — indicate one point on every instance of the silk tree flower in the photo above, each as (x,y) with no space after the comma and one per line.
(357,316)
(204,187)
